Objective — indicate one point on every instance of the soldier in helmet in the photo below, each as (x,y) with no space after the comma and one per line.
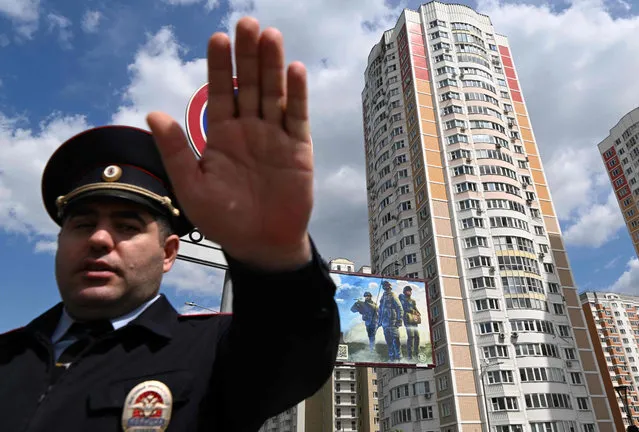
(412,318)
(369,311)
(390,319)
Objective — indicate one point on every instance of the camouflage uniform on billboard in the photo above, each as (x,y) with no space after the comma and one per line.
(390,319)
(412,318)
(369,311)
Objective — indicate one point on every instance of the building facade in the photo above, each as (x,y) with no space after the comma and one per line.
(613,322)
(458,196)
(620,155)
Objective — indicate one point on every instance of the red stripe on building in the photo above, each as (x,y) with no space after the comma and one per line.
(416,38)
(504,51)
(414,28)
(421,74)
(420,62)
(418,50)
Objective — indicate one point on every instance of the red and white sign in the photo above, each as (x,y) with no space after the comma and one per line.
(196,125)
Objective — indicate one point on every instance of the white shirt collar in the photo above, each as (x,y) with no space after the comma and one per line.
(65,320)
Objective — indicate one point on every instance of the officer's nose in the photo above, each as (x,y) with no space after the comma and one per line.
(101,238)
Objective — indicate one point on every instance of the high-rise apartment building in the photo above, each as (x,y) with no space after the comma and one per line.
(620,155)
(458,196)
(613,321)
(347,402)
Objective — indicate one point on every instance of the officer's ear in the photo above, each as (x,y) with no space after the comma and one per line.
(169,240)
(171,247)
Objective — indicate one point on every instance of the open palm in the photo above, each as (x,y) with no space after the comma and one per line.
(252,190)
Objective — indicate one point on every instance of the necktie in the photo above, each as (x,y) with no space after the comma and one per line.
(86,334)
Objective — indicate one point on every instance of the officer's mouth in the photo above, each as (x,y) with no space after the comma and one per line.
(97,269)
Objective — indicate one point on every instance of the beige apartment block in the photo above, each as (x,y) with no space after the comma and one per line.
(457,195)
(613,323)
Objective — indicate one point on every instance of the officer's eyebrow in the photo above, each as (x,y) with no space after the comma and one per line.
(81,211)
(129,214)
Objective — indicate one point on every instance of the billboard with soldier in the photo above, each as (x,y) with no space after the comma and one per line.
(384,321)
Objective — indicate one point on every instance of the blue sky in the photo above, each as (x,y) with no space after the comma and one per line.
(58,77)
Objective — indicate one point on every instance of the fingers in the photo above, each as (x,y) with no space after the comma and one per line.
(221,102)
(177,156)
(263,88)
(296,120)
(272,81)
(248,67)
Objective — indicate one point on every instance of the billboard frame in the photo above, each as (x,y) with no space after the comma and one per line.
(420,366)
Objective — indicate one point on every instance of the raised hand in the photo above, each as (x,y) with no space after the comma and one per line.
(252,190)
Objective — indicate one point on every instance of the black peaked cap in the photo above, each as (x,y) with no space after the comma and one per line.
(111,161)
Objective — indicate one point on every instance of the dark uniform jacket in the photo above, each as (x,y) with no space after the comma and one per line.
(225,372)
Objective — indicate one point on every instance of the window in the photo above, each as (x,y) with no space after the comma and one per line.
(576,378)
(558,309)
(564,331)
(582,403)
(504,404)
(537,350)
(482,282)
(489,327)
(500,377)
(495,351)
(540,374)
(536,326)
(553,287)
(475,241)
(487,304)
(472,223)
(478,261)
(547,400)
(570,353)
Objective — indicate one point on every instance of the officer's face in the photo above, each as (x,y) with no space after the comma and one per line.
(111,257)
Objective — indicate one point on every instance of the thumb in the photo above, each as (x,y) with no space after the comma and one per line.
(177,156)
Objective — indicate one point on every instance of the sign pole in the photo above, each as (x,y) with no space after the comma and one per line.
(227,293)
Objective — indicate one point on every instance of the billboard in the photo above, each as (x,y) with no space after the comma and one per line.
(384,321)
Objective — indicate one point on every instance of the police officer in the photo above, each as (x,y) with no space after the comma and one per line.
(114,355)
(412,318)
(369,312)
(390,319)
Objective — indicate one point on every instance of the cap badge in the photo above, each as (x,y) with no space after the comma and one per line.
(112,173)
(147,408)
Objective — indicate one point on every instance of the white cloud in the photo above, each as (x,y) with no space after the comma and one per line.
(23,14)
(91,21)
(46,246)
(208,5)
(610,264)
(596,225)
(628,282)
(160,80)
(25,152)
(61,25)
(4,40)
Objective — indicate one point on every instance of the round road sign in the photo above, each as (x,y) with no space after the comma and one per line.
(196,126)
